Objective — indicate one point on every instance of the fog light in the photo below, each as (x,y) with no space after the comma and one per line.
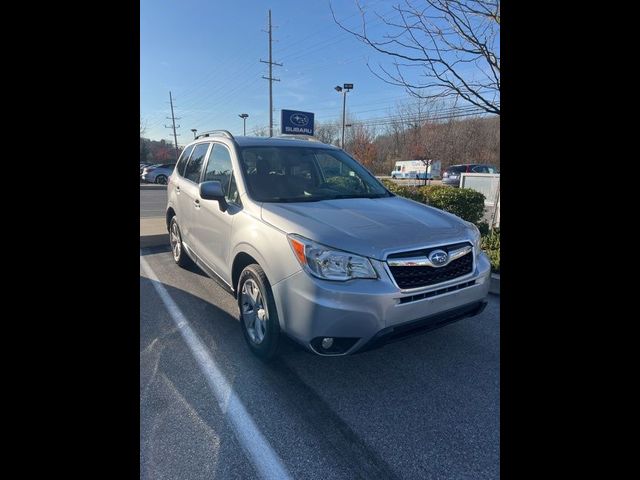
(327,342)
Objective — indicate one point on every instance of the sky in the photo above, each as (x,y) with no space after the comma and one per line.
(207,53)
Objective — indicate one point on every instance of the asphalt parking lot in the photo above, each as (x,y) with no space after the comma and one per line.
(153,202)
(426,407)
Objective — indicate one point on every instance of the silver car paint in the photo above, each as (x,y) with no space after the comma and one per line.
(309,307)
(366,226)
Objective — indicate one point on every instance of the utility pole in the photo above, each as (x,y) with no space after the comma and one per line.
(270,77)
(344,111)
(173,119)
(344,89)
(244,116)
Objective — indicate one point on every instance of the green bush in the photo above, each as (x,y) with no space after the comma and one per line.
(463,202)
(491,245)
(346,184)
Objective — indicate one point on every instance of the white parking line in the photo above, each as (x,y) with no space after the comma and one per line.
(257,448)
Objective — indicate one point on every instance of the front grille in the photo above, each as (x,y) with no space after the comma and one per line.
(435,293)
(415,277)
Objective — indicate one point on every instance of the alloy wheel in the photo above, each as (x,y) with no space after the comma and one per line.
(254,313)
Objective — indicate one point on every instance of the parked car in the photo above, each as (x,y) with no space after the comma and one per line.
(452,175)
(157,173)
(314,247)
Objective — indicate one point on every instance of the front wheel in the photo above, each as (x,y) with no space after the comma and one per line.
(258,315)
(161,179)
(175,238)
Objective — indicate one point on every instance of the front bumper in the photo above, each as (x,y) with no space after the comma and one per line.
(367,313)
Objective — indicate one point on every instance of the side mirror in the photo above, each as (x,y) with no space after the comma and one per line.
(212,190)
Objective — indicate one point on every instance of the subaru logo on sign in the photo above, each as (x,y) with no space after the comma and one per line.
(299,119)
(296,123)
(439,258)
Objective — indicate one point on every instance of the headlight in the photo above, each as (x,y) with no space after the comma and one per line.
(476,238)
(328,263)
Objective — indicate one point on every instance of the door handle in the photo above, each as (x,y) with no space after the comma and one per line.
(177,188)
(196,203)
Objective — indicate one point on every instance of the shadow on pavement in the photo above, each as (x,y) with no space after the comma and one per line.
(426,406)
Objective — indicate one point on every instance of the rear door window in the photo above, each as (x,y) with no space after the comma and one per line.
(194,167)
(184,158)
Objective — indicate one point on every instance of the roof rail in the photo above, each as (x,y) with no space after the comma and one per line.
(290,136)
(224,133)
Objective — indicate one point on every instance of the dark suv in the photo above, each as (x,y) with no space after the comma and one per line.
(452,175)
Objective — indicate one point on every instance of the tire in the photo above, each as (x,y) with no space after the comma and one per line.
(161,180)
(177,249)
(258,315)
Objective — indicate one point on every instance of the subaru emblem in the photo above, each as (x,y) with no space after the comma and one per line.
(299,119)
(439,258)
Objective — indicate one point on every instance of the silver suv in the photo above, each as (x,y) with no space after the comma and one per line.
(313,246)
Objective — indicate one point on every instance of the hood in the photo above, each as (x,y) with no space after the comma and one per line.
(371,227)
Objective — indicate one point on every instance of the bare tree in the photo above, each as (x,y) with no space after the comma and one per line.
(143,127)
(261,131)
(453,43)
(328,132)
(363,147)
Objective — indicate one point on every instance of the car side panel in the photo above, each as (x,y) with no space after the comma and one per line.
(266,244)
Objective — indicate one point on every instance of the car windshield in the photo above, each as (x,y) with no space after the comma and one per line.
(301,174)
(457,169)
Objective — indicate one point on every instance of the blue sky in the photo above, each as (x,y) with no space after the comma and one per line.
(207,53)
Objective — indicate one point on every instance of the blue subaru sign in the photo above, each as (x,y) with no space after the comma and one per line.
(296,123)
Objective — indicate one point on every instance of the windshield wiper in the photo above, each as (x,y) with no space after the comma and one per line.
(295,199)
(360,195)
(320,198)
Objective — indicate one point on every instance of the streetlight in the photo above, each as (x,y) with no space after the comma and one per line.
(194,130)
(244,116)
(344,89)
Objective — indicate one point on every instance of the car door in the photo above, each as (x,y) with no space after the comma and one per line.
(189,199)
(211,228)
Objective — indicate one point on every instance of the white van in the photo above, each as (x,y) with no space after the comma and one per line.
(416,169)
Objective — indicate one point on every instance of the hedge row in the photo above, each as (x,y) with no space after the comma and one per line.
(463,202)
(491,246)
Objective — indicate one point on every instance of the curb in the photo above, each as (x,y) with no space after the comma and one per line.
(495,284)
(154,240)
(152,186)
